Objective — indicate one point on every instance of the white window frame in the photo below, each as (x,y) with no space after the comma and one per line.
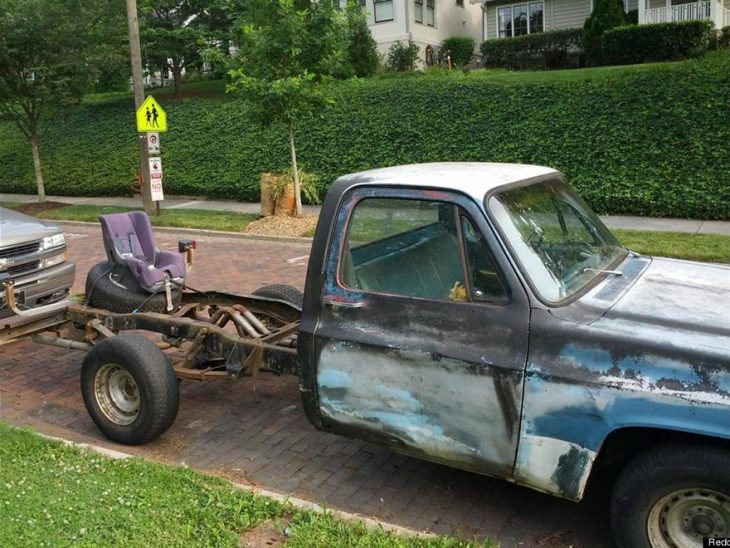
(375,11)
(511,7)
(422,11)
(433,12)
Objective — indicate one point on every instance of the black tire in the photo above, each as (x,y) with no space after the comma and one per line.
(114,288)
(672,495)
(282,292)
(129,389)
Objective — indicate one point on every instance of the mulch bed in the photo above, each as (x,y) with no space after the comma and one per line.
(34,208)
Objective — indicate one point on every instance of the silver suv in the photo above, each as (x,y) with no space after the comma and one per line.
(33,258)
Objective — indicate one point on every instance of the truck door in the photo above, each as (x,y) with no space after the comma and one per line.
(422,336)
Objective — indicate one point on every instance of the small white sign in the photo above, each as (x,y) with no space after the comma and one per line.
(156,179)
(153,142)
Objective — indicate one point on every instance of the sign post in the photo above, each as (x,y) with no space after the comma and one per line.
(135,54)
(151,120)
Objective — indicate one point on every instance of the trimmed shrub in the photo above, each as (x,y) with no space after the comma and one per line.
(633,44)
(542,50)
(640,140)
(462,48)
(402,58)
(606,14)
(632,17)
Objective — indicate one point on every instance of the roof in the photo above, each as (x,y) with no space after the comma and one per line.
(472,178)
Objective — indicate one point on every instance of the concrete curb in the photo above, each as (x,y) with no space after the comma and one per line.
(284,499)
(204,232)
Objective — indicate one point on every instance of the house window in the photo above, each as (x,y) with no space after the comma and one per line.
(430,12)
(520,19)
(383,10)
(460,3)
(418,11)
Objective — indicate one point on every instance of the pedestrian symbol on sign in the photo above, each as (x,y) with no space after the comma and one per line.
(151,116)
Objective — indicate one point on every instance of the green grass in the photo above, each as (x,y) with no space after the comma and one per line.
(56,495)
(11,205)
(181,218)
(713,248)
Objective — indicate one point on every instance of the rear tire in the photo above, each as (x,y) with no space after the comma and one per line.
(672,496)
(129,389)
(282,292)
(114,288)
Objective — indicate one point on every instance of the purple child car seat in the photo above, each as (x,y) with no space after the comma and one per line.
(129,241)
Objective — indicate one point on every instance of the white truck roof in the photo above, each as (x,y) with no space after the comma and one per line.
(472,178)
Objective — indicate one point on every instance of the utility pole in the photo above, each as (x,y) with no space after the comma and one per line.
(138,85)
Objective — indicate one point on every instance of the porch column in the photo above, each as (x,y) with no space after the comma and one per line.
(642,12)
(715,14)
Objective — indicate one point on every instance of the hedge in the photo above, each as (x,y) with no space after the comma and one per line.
(646,140)
(633,44)
(461,47)
(542,50)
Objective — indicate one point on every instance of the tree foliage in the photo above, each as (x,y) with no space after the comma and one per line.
(362,49)
(172,35)
(286,57)
(606,14)
(49,55)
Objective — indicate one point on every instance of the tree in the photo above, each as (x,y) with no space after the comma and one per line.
(606,14)
(171,38)
(47,60)
(362,50)
(286,57)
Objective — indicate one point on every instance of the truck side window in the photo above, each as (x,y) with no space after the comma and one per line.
(403,247)
(484,279)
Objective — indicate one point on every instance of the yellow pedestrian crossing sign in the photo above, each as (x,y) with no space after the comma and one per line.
(151,117)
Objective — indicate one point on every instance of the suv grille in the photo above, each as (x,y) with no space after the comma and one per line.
(19,250)
(22,268)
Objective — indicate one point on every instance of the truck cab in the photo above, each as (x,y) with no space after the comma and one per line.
(482,316)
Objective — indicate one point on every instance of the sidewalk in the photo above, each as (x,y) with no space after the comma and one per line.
(176,202)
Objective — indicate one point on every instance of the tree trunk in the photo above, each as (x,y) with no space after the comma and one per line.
(37,166)
(295,170)
(177,76)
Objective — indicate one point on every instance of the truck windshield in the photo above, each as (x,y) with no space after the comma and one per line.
(561,244)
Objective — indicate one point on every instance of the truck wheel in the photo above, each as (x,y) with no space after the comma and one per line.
(672,496)
(129,389)
(114,288)
(282,292)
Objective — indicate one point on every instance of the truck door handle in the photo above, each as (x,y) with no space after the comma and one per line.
(336,303)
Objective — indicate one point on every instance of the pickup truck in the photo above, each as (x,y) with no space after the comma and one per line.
(33,258)
(476,315)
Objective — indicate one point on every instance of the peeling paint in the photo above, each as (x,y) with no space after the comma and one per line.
(440,408)
(553,466)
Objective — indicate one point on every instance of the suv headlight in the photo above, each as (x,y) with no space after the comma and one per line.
(53,261)
(54,241)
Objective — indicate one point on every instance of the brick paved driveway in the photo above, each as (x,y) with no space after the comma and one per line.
(254,431)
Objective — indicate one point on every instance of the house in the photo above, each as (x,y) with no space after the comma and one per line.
(506,18)
(423,22)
